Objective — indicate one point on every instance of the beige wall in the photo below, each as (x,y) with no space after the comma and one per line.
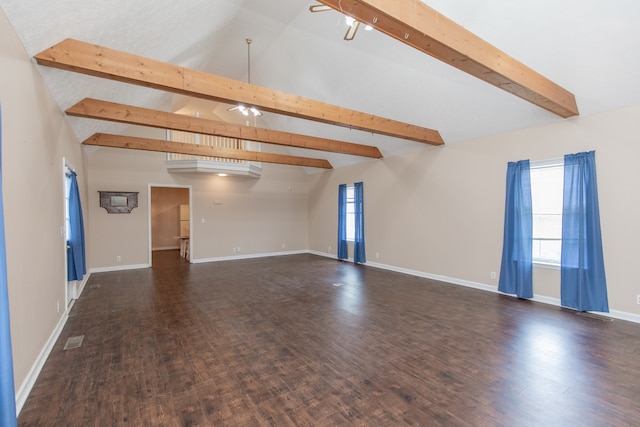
(440,211)
(35,138)
(256,215)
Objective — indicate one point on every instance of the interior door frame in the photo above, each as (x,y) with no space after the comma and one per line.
(70,287)
(149,241)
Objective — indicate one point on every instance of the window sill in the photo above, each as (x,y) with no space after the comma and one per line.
(549,265)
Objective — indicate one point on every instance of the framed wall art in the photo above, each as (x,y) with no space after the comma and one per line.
(118,201)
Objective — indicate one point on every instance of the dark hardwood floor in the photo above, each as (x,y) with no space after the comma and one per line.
(274,341)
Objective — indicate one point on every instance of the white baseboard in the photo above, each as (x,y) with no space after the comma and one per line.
(165,248)
(622,315)
(85,279)
(118,268)
(247,256)
(25,388)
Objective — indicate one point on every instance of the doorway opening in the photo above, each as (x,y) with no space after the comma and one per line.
(170,220)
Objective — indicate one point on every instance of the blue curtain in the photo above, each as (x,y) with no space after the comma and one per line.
(583,285)
(343,249)
(516,270)
(358,244)
(76,264)
(7,391)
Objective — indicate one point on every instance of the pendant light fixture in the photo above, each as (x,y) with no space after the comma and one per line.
(246,111)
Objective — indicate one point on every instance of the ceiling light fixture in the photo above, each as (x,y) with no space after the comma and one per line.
(242,108)
(352,23)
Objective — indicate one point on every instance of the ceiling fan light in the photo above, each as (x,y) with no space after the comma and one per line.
(244,110)
(349,20)
(368,27)
(351,31)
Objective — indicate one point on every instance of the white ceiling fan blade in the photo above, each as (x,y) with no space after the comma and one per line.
(351,31)
(318,8)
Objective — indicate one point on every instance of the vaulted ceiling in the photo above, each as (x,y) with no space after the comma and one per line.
(588,47)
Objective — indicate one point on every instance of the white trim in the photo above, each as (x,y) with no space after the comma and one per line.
(248,256)
(119,268)
(622,315)
(324,254)
(548,265)
(83,282)
(25,388)
(63,229)
(461,282)
(165,248)
(247,169)
(548,163)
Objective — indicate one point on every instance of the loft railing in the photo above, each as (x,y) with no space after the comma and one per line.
(191,163)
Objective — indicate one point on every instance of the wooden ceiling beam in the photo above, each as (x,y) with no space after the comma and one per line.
(86,58)
(121,113)
(414,23)
(147,144)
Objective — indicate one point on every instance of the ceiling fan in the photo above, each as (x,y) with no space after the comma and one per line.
(352,24)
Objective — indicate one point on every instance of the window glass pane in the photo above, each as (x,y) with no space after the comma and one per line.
(546,197)
(547,226)
(351,219)
(546,190)
(351,227)
(547,251)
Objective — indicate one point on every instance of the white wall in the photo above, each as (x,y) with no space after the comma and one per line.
(440,211)
(35,138)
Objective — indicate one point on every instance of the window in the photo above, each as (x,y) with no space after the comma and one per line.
(351,214)
(546,196)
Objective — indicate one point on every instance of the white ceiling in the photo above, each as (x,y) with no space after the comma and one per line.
(590,47)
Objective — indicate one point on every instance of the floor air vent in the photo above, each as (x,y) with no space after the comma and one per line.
(96,286)
(74,342)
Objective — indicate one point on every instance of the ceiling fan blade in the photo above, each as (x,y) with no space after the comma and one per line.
(318,8)
(351,31)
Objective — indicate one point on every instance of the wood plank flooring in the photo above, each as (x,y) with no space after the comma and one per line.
(304,340)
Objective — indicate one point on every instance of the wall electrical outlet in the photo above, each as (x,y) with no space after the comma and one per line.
(118,258)
(493,274)
(637,299)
